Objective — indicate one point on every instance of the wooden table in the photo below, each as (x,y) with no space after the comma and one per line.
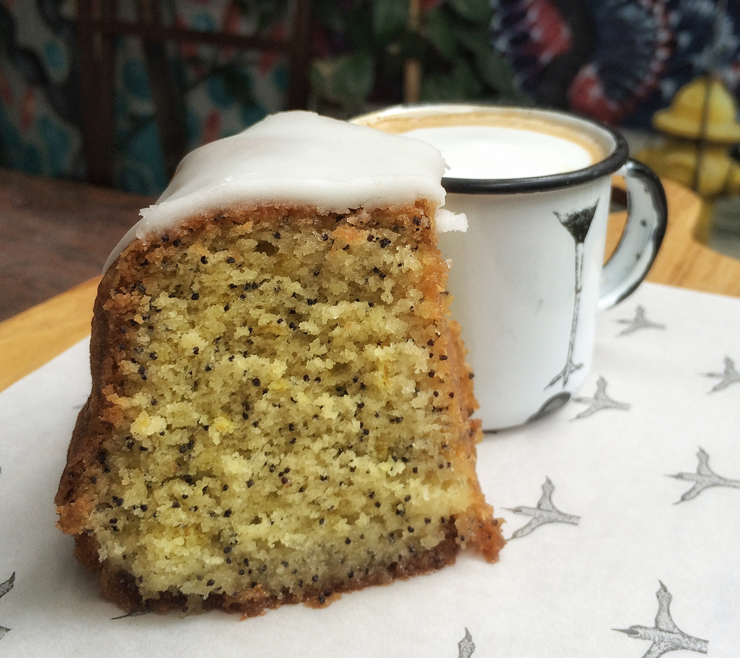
(33,337)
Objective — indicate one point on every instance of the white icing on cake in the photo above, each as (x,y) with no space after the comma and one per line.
(299,158)
(446,221)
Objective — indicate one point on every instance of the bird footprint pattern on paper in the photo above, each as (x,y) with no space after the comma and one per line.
(703,478)
(4,589)
(638,322)
(465,646)
(599,401)
(545,512)
(665,635)
(726,378)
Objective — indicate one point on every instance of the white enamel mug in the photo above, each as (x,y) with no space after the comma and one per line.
(527,277)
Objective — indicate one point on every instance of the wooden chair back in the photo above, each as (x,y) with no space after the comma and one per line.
(99,25)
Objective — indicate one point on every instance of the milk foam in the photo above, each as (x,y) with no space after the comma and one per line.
(503,153)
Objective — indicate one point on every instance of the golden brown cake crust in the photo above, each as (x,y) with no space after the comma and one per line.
(120,588)
(75,499)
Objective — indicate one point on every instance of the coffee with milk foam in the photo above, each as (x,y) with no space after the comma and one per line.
(503,153)
(498,145)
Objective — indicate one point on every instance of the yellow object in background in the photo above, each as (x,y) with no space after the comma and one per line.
(678,157)
(683,118)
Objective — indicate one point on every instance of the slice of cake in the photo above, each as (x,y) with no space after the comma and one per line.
(280,408)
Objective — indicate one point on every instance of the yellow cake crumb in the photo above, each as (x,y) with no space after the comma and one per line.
(282,411)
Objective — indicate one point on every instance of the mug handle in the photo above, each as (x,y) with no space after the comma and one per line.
(647,219)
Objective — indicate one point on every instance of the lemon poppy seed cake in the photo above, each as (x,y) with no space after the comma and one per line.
(280,408)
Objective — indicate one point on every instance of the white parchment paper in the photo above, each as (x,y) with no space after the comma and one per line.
(607,536)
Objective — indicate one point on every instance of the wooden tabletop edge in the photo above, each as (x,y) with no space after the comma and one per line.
(32,338)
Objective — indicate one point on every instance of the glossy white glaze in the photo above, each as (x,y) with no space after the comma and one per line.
(297,158)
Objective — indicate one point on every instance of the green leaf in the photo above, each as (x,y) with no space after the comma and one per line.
(438,30)
(356,76)
(390,18)
(345,81)
(495,71)
(460,84)
(477,11)
(474,40)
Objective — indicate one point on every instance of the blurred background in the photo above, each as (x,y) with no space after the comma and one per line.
(116,92)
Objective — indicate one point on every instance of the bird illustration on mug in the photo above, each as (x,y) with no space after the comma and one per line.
(577,224)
